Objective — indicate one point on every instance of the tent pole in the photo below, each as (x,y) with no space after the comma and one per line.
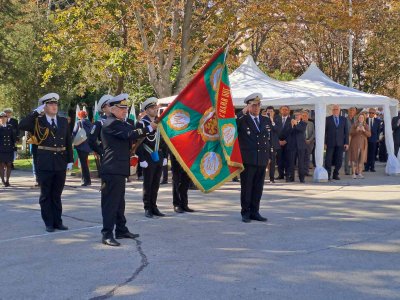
(350,47)
(320,173)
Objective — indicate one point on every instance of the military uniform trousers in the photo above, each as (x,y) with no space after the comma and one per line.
(113,205)
(151,184)
(51,187)
(180,184)
(252,185)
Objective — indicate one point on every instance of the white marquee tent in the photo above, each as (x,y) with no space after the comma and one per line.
(312,90)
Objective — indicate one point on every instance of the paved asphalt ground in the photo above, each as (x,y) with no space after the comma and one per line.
(338,240)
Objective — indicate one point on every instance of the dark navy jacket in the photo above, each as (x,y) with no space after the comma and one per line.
(94,138)
(336,136)
(254,144)
(296,138)
(117,137)
(142,153)
(375,130)
(47,160)
(7,138)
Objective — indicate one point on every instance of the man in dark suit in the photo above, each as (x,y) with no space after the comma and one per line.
(53,157)
(374,126)
(336,141)
(296,145)
(396,133)
(117,137)
(283,153)
(255,149)
(273,137)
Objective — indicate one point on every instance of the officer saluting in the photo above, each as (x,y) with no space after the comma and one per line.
(117,137)
(94,137)
(152,154)
(255,148)
(54,156)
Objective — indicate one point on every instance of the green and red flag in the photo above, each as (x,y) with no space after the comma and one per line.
(199,127)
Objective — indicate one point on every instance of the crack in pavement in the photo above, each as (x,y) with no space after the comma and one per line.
(143,264)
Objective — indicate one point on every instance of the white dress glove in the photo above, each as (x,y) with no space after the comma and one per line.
(144,164)
(69,166)
(165,161)
(40,109)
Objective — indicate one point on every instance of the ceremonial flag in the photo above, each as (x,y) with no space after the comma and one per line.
(199,127)
(132,113)
(96,115)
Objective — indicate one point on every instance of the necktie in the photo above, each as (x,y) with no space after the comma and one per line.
(257,123)
(53,125)
(336,121)
(283,120)
(370,123)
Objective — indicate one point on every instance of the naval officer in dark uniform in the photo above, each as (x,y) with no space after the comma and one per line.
(255,149)
(94,138)
(117,137)
(51,134)
(7,146)
(152,153)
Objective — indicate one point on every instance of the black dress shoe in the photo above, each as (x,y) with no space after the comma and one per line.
(336,177)
(61,227)
(373,170)
(289,180)
(164,182)
(86,184)
(157,212)
(235,179)
(49,228)
(272,180)
(7,184)
(188,209)
(126,235)
(246,219)
(110,242)
(148,213)
(302,181)
(258,217)
(178,209)
(280,177)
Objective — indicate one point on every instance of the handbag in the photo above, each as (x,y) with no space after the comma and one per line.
(80,137)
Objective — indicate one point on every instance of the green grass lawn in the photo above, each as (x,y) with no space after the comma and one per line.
(26,164)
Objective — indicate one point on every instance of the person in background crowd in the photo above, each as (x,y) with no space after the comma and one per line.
(296,146)
(14,124)
(255,150)
(83,149)
(273,137)
(396,133)
(7,147)
(283,153)
(373,126)
(351,118)
(54,157)
(382,153)
(139,170)
(310,141)
(336,141)
(359,145)
(94,138)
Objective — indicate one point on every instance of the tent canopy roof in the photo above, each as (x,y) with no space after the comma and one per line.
(309,89)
